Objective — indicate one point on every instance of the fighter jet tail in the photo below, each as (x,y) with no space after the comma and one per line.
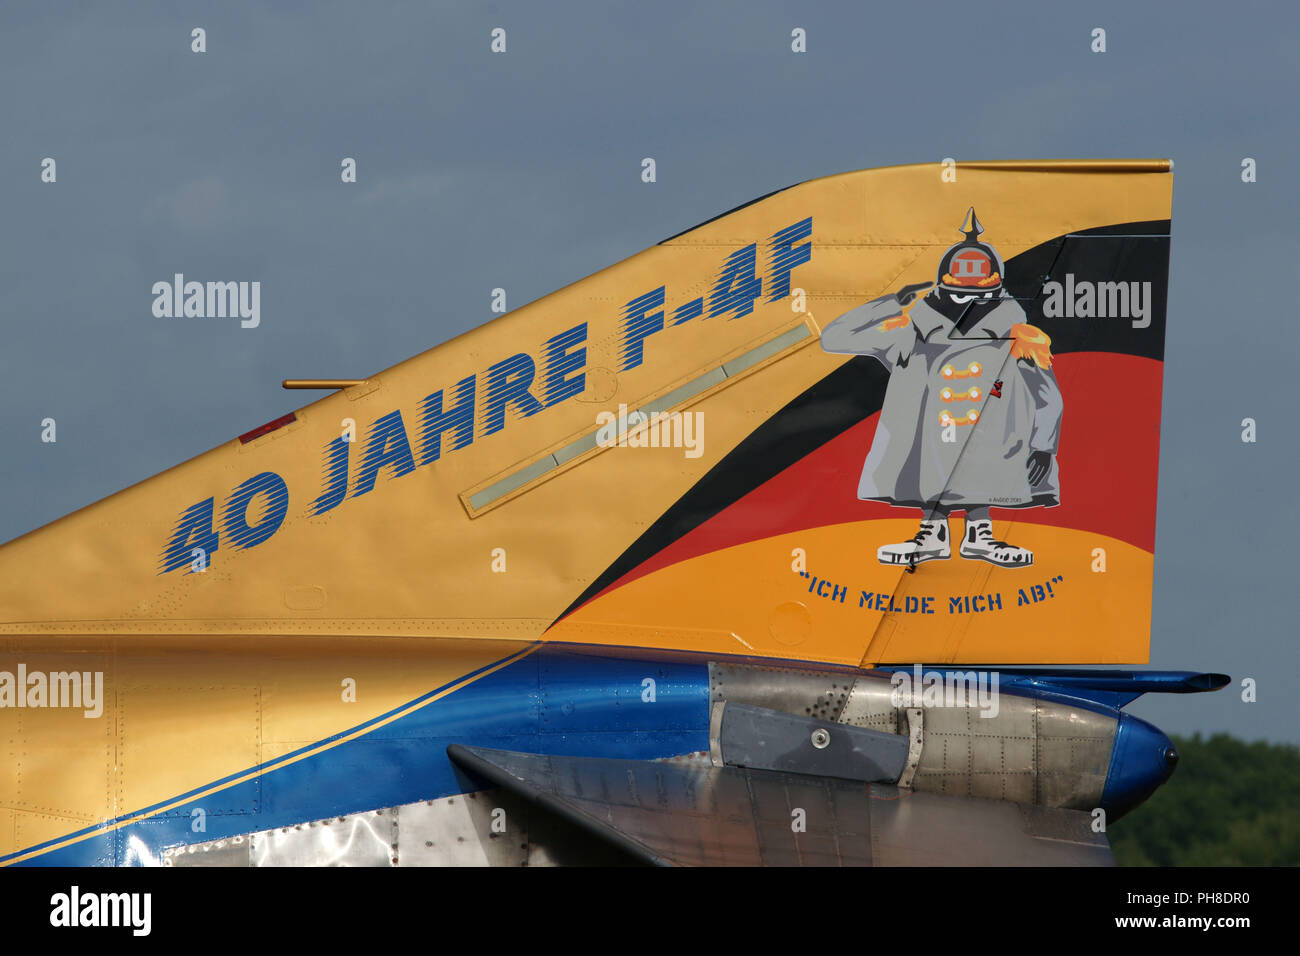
(670,454)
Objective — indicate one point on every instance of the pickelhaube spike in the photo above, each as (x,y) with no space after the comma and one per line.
(970,265)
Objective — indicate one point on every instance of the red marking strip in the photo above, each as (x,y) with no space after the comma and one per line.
(266,429)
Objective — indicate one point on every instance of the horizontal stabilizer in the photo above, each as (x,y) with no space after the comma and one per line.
(680,814)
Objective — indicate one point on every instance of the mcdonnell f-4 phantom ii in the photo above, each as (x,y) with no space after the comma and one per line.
(778,543)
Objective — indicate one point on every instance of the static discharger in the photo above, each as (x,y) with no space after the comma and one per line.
(322,382)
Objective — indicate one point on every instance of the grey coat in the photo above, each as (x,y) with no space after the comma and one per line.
(909,462)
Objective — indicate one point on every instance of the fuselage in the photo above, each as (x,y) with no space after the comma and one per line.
(240,735)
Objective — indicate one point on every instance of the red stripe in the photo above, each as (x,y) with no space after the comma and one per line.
(261,430)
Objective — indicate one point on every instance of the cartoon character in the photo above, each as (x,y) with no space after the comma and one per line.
(972,414)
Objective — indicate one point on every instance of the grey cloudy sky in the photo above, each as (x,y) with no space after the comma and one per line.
(522,171)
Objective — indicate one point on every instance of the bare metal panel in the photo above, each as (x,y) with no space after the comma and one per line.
(473,829)
(870,703)
(1031,751)
(231,852)
(1074,750)
(792,690)
(460,830)
(362,839)
(358,839)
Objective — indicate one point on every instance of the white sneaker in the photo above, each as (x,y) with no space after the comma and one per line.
(931,543)
(979,544)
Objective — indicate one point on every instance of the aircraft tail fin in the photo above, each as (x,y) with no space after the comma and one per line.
(726,443)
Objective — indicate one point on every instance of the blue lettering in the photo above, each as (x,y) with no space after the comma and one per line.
(737,286)
(434,420)
(193,530)
(785,256)
(559,362)
(688,311)
(387,446)
(235,523)
(336,476)
(507,384)
(638,323)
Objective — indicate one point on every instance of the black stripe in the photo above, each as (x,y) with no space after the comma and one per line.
(1133,252)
